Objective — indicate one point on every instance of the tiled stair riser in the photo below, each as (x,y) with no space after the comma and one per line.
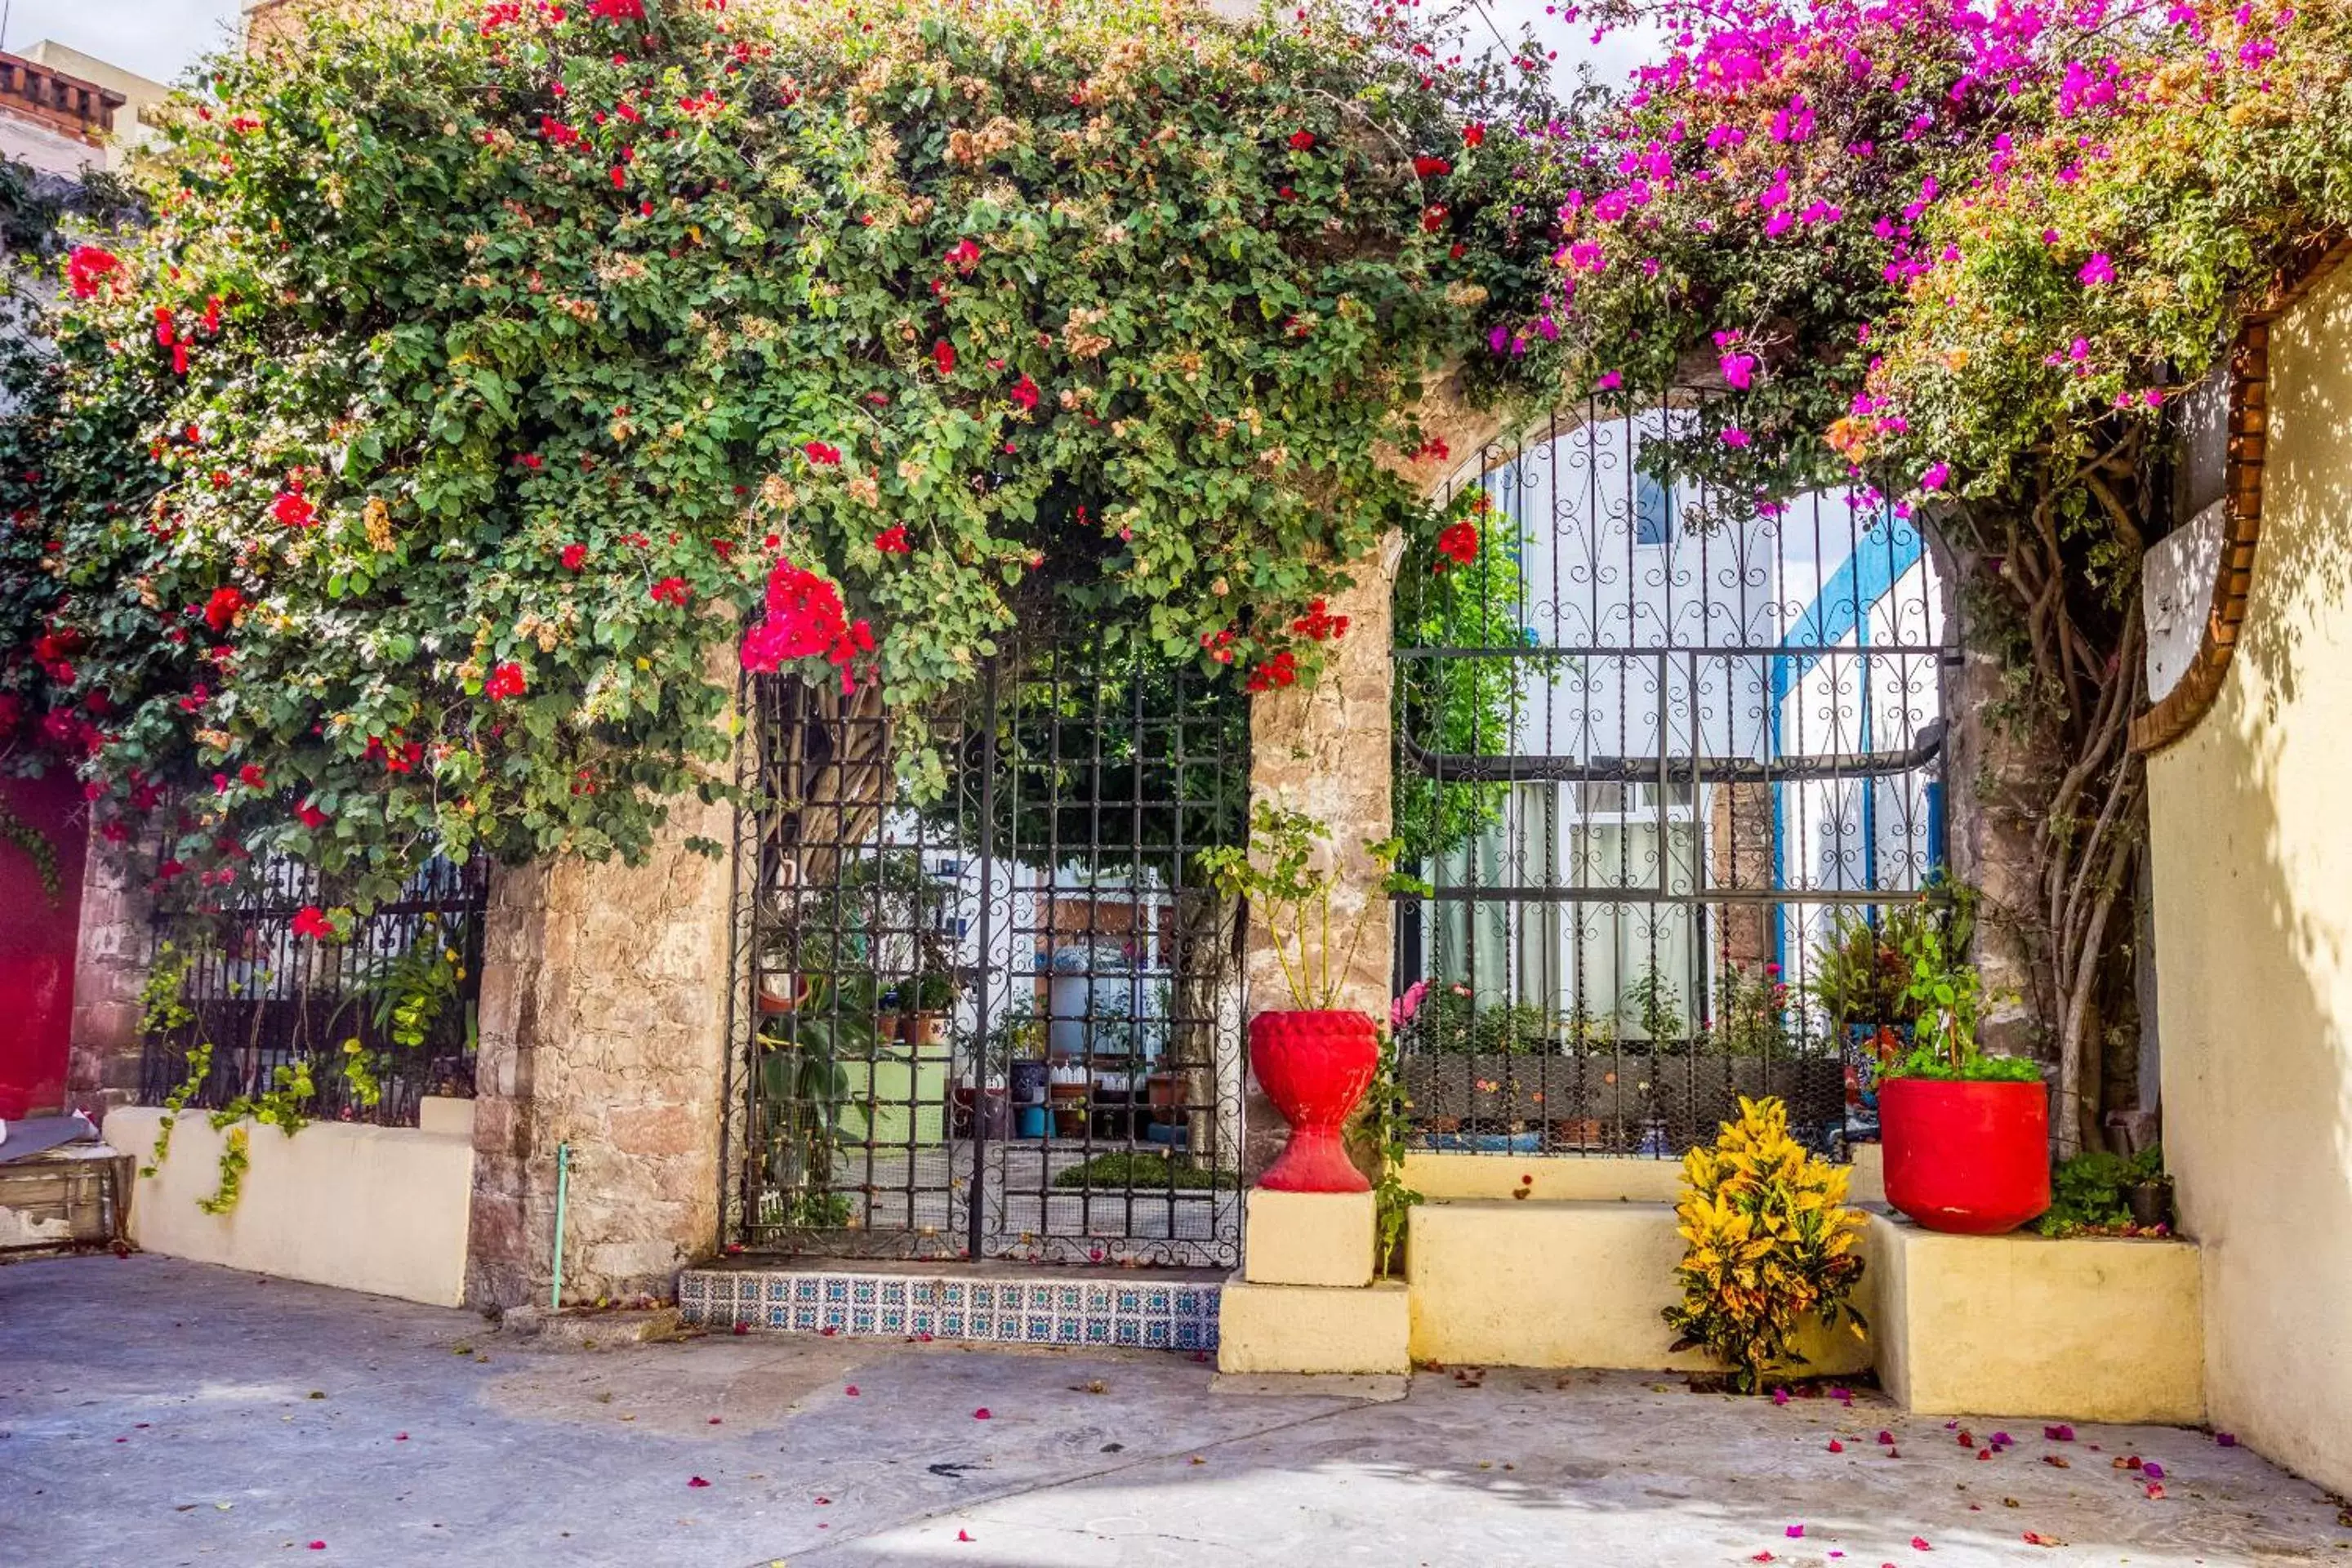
(1002,1312)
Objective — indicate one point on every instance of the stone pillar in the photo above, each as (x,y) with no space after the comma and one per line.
(109,970)
(1305,1301)
(1325,750)
(603,1026)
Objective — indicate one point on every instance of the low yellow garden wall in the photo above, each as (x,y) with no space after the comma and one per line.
(381,1210)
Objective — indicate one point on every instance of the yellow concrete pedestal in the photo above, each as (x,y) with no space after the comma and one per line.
(2090,1329)
(1304,1301)
(1313,1329)
(1308,1238)
(1564,1284)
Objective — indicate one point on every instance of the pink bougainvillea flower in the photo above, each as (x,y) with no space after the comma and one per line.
(1735,436)
(1795,1532)
(669,590)
(851,1390)
(618,10)
(318,1546)
(1610,381)
(2225,1439)
(695,1481)
(2152,1470)
(2059,1433)
(964,1537)
(1933,480)
(943,356)
(506,681)
(293,508)
(312,921)
(87,265)
(1780,1397)
(822,454)
(2097,271)
(574,556)
(1300,141)
(1919,1543)
(1739,370)
(980,1414)
(892,541)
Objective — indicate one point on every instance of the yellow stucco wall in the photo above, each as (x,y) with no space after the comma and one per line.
(381,1209)
(2090,1329)
(1530,1283)
(2251,830)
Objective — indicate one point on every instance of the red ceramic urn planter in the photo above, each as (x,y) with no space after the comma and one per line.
(1970,1158)
(1315,1067)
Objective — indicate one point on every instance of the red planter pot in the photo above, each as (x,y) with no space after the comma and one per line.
(1315,1067)
(1970,1158)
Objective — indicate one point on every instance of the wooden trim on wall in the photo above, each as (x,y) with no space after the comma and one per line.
(2177,711)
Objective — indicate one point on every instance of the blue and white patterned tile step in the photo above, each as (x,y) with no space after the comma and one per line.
(1003,1309)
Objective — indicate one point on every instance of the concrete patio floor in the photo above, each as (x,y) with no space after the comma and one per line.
(153,1412)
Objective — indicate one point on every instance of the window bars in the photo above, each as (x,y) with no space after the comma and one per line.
(1658,759)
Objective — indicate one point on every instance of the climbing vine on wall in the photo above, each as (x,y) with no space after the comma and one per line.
(488,370)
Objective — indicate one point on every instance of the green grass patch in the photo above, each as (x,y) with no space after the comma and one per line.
(1142,1172)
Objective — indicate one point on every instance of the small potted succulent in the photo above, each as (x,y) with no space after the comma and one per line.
(1315,1059)
(1966,1135)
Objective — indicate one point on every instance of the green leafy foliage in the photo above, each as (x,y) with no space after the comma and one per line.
(2092,1191)
(403,486)
(1767,1241)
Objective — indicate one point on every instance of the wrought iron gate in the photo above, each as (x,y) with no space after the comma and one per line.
(1659,761)
(998,1015)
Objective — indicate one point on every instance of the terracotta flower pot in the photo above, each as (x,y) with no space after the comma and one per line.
(1315,1067)
(1970,1158)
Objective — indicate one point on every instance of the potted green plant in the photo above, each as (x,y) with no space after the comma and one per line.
(1314,1060)
(1966,1135)
(924,1003)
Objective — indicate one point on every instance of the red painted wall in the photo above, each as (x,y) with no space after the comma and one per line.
(38,936)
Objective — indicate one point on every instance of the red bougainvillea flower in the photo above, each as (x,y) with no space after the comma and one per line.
(670,591)
(572,556)
(312,921)
(1430,168)
(943,356)
(820,453)
(618,10)
(892,541)
(695,1481)
(1473,134)
(804,618)
(1282,670)
(1319,623)
(507,680)
(293,508)
(221,609)
(309,815)
(963,256)
(87,265)
(1301,140)
(1024,393)
(1458,543)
